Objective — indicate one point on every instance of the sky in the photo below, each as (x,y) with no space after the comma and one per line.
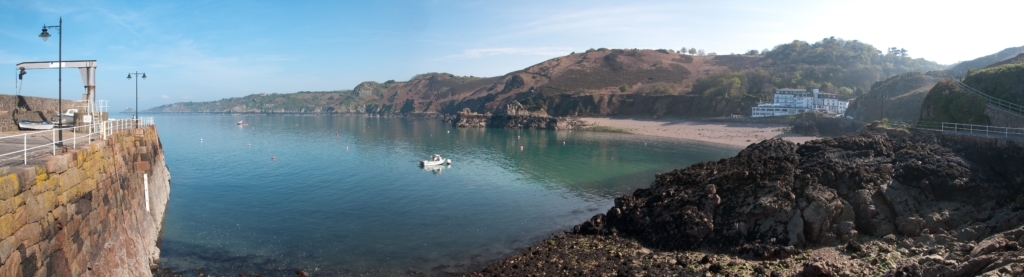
(210,50)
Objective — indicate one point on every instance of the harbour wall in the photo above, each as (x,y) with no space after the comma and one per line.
(85,212)
(16,107)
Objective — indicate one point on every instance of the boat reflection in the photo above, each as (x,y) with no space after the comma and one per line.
(436,169)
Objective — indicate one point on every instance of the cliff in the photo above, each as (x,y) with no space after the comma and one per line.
(882,202)
(85,212)
(606,82)
(516,116)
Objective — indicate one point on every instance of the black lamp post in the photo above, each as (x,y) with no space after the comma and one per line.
(60,69)
(137,90)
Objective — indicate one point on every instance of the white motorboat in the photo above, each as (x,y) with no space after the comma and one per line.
(35,125)
(435,160)
(243,123)
(67,118)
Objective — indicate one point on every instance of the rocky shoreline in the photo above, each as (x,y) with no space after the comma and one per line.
(517,122)
(881,202)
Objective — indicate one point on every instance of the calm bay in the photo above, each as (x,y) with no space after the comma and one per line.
(343,195)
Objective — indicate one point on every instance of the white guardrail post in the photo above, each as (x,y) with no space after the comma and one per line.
(107,128)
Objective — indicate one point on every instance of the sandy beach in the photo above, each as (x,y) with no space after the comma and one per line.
(727,133)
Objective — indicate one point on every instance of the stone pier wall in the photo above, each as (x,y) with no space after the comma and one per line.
(83,212)
(1003,118)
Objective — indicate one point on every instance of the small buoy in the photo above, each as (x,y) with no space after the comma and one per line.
(520,148)
(250,145)
(200,140)
(449,131)
(563,142)
(346,148)
(335,134)
(517,137)
(272,158)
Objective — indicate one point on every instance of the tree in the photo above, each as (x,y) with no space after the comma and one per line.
(700,52)
(683,51)
(752,52)
(623,88)
(693,51)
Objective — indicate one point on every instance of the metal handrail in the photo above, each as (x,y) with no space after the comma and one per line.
(980,129)
(99,129)
(998,103)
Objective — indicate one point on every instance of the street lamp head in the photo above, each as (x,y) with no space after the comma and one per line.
(143,76)
(129,76)
(44,35)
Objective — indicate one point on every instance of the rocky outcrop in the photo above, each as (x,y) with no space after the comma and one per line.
(516,116)
(813,124)
(894,202)
(777,194)
(84,212)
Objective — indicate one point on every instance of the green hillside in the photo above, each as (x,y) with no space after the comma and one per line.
(948,102)
(301,102)
(901,96)
(606,82)
(1004,80)
(960,69)
(846,68)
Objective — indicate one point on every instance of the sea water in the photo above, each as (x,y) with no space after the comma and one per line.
(344,195)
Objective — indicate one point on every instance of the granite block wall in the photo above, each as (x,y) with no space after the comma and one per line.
(83,212)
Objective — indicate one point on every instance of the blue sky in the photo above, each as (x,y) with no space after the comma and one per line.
(208,50)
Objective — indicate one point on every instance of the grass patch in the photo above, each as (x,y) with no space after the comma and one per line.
(606,129)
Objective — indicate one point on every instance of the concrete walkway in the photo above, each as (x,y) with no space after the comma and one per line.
(13,144)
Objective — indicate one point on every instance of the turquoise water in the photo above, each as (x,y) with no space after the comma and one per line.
(343,195)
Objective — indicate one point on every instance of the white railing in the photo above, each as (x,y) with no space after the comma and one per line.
(981,129)
(69,137)
(995,102)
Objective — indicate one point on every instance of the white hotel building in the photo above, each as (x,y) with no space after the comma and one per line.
(790,101)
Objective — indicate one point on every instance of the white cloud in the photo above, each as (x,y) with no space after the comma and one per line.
(165,96)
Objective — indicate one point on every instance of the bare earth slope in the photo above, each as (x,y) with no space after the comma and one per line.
(592,83)
(599,82)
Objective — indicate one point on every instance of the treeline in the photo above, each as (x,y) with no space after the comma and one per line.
(303,101)
(846,68)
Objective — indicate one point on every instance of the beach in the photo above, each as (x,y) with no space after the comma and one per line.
(737,134)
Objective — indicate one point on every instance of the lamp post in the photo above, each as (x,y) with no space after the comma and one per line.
(60,70)
(137,91)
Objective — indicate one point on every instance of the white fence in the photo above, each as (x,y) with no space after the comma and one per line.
(981,129)
(39,141)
